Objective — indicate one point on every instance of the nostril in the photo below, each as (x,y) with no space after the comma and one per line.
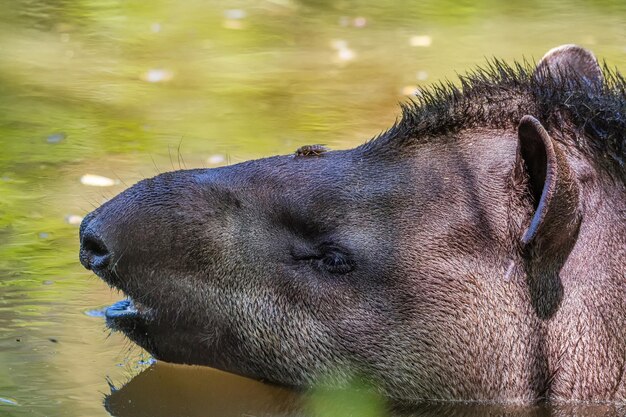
(94,254)
(95,247)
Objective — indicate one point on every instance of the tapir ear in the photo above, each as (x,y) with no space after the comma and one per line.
(544,169)
(570,61)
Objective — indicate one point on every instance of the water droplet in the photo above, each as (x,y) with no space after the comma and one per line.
(421,40)
(157,75)
(235,14)
(421,75)
(96,180)
(359,22)
(73,219)
(149,361)
(99,312)
(346,54)
(55,137)
(338,44)
(215,159)
(410,90)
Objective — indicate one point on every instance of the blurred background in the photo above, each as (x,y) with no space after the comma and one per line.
(97,94)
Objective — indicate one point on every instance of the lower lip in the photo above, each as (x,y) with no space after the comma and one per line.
(120,309)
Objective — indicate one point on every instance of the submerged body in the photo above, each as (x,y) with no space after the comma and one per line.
(475,251)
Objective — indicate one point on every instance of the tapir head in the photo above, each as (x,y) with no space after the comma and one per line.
(406,260)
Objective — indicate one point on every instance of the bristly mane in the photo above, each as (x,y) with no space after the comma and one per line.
(499,95)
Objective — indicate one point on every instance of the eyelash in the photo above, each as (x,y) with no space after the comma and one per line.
(336,262)
(329,259)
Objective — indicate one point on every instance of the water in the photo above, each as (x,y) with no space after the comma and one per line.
(95,95)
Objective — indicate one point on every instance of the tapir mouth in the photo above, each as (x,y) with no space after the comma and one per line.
(134,320)
(123,308)
(156,332)
(128,315)
(123,314)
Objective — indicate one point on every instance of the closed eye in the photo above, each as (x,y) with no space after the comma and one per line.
(337,263)
(327,258)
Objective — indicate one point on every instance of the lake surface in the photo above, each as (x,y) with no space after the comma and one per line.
(97,94)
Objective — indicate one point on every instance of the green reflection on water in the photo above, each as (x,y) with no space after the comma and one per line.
(129,89)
